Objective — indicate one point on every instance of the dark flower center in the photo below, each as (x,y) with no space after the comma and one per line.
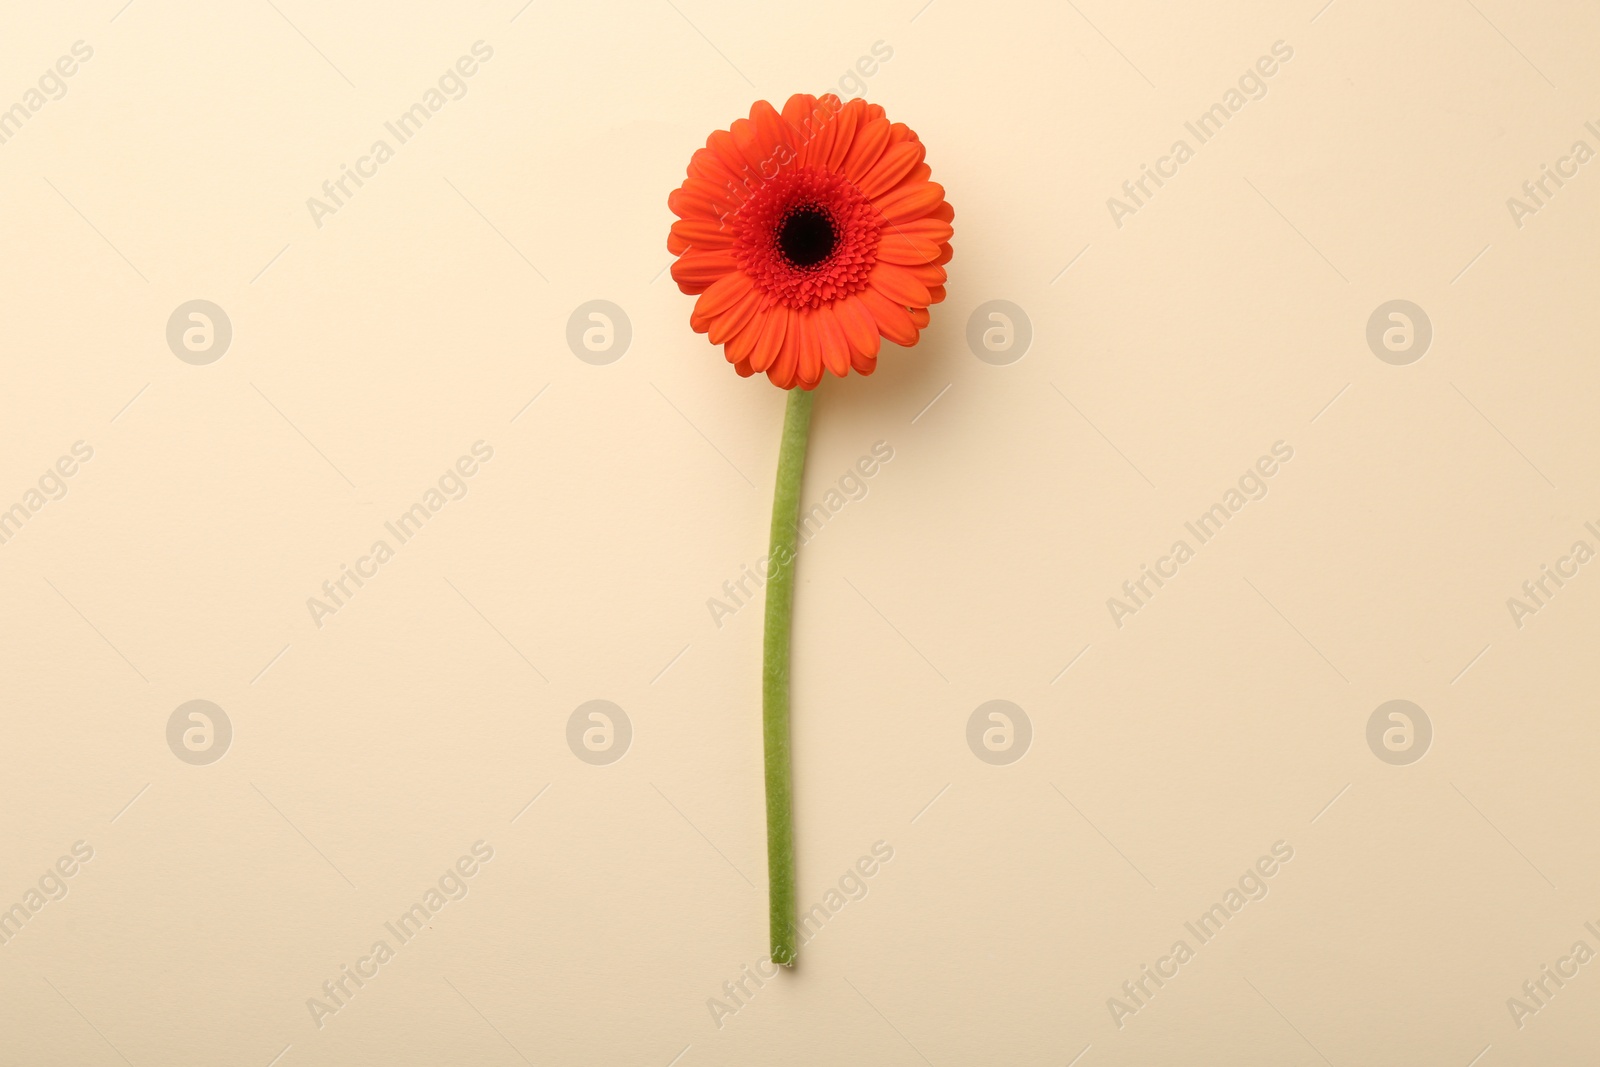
(806,237)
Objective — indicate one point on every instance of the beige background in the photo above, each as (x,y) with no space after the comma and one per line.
(1167,754)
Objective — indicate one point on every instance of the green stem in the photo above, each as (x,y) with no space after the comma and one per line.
(775,675)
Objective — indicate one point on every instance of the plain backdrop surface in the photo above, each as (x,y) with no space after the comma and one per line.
(1149,759)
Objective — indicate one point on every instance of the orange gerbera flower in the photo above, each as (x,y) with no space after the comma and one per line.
(807,236)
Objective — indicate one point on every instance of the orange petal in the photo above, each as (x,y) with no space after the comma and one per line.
(703,199)
(723,294)
(898,284)
(706,164)
(860,328)
(724,308)
(822,128)
(919,318)
(868,146)
(806,117)
(776,137)
(932,230)
(797,112)
(742,344)
(696,271)
(893,320)
(935,294)
(769,342)
(907,203)
(722,146)
(748,141)
(736,318)
(809,348)
(689,204)
(835,349)
(894,165)
(850,121)
(683,205)
(702,233)
(783,369)
(896,247)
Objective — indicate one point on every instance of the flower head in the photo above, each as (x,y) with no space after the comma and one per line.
(808,236)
